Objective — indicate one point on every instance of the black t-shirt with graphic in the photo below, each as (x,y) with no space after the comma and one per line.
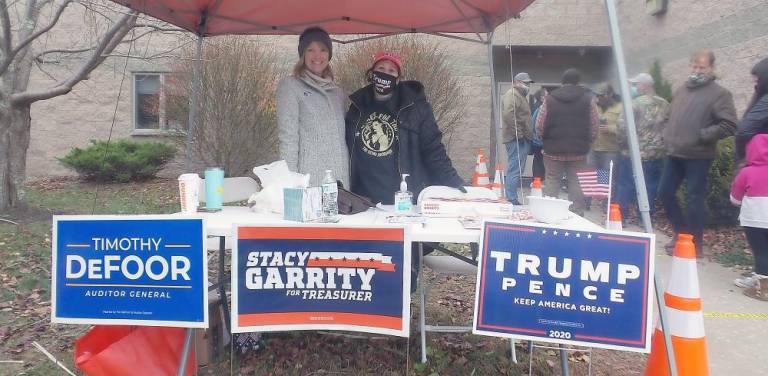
(376,144)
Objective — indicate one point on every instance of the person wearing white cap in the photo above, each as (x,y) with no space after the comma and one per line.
(517,132)
(650,114)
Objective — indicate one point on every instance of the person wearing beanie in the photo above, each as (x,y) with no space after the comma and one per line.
(310,112)
(755,119)
(567,124)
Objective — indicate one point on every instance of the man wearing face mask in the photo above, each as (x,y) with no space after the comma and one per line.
(517,132)
(702,113)
(651,111)
(391,130)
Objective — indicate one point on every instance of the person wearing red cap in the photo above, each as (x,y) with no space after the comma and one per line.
(310,112)
(391,130)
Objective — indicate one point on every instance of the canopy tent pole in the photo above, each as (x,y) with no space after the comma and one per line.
(194,101)
(495,123)
(637,166)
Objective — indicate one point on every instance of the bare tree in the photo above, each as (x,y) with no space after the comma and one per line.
(25,26)
(424,60)
(237,127)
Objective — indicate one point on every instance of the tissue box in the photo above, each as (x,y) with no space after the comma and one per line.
(302,204)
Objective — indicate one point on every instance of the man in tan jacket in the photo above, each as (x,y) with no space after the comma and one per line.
(517,132)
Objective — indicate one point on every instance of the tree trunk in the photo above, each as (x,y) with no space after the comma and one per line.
(14,142)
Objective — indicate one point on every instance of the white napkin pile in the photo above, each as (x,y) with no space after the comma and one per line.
(274,177)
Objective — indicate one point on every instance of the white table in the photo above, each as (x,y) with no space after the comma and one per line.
(435,230)
(438,230)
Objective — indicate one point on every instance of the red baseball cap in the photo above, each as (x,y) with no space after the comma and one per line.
(391,56)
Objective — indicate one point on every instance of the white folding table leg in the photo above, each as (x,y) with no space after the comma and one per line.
(422,305)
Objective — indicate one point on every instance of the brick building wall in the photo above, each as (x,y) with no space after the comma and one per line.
(735,30)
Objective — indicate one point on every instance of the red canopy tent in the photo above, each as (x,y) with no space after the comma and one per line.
(373,19)
(220,17)
(366,19)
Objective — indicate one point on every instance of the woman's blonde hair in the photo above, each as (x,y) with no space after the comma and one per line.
(299,68)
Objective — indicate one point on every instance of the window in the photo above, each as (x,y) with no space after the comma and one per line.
(150,103)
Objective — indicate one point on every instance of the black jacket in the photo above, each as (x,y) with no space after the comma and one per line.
(755,121)
(568,121)
(421,152)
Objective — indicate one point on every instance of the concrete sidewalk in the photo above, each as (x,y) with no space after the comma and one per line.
(735,345)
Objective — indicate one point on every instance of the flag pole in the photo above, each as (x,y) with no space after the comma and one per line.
(610,188)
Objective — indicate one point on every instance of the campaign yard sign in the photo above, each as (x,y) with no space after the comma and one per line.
(561,285)
(129,270)
(321,278)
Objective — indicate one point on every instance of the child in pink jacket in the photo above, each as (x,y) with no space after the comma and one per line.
(750,191)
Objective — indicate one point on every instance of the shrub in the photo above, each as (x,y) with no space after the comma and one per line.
(237,129)
(424,60)
(663,87)
(720,211)
(120,161)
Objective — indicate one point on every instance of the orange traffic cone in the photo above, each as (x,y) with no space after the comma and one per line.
(614,218)
(498,182)
(480,177)
(536,187)
(685,319)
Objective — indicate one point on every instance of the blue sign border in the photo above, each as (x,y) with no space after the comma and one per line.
(200,285)
(538,333)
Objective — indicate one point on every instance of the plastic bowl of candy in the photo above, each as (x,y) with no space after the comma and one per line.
(549,209)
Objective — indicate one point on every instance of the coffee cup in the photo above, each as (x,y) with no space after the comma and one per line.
(189,192)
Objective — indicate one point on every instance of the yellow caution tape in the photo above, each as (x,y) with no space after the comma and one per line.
(732,315)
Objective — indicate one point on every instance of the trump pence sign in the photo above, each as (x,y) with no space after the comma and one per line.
(568,286)
(321,277)
(129,270)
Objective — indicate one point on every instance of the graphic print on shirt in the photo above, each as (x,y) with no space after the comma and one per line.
(378,134)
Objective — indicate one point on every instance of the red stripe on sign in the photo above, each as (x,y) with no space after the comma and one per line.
(378,265)
(321,233)
(319,318)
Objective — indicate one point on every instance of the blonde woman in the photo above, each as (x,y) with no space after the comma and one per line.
(310,112)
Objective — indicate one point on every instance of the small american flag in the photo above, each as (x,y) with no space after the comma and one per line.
(594,183)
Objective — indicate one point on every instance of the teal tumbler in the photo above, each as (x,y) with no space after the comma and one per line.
(214,188)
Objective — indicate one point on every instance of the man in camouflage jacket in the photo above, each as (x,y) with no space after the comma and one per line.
(651,112)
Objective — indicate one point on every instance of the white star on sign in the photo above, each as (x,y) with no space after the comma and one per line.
(589,236)
(567,233)
(578,235)
(554,232)
(543,231)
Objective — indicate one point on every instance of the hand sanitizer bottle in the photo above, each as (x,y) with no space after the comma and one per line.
(403,203)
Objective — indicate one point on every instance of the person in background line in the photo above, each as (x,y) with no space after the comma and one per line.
(310,112)
(755,119)
(750,191)
(702,113)
(605,149)
(650,113)
(536,144)
(517,132)
(567,124)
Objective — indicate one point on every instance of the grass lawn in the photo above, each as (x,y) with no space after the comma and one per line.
(25,251)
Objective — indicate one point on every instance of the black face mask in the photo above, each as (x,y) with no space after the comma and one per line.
(383,83)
